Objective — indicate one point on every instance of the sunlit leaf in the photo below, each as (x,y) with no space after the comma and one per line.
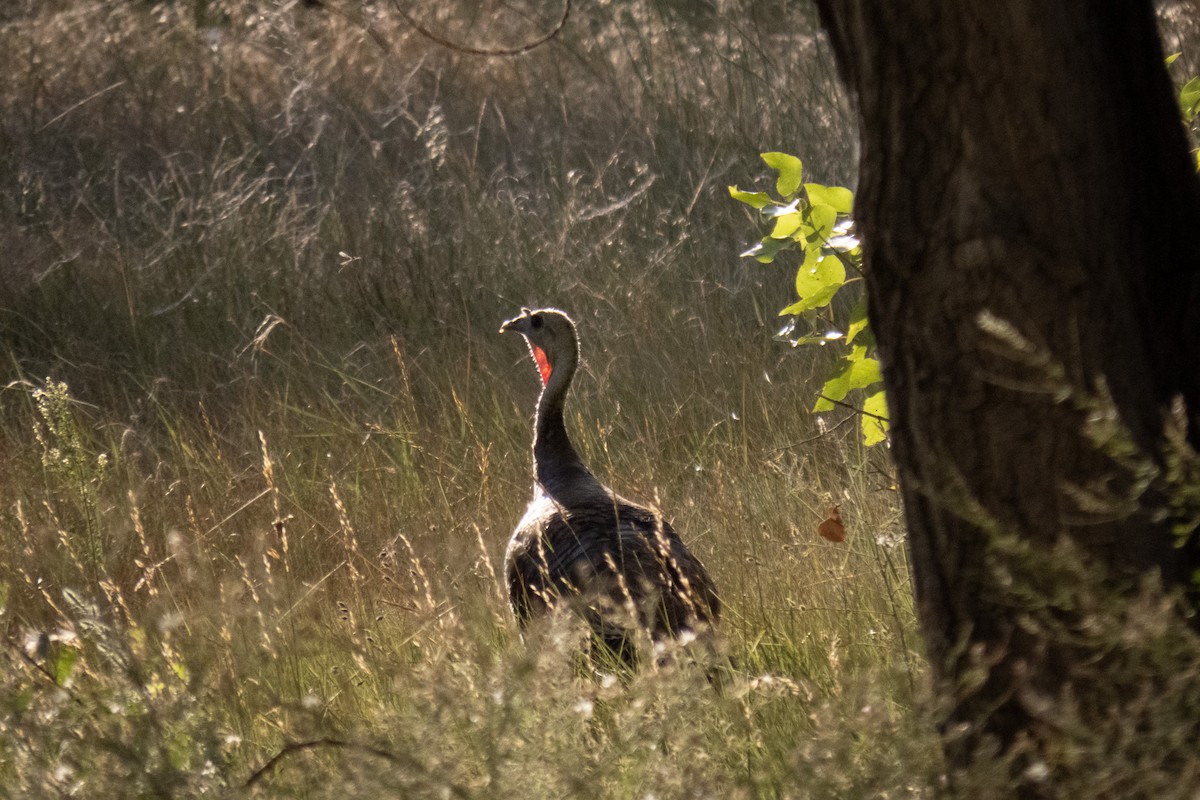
(874,430)
(823,216)
(839,198)
(756,199)
(1171,58)
(836,386)
(855,371)
(858,319)
(790,169)
(787,225)
(1189,98)
(865,373)
(817,281)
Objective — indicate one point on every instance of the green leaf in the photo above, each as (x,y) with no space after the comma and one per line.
(836,386)
(756,199)
(855,371)
(64,663)
(875,430)
(818,273)
(1171,58)
(791,172)
(787,225)
(822,217)
(865,373)
(839,198)
(1189,98)
(817,281)
(858,319)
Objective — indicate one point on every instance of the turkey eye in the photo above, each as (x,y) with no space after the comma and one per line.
(535,323)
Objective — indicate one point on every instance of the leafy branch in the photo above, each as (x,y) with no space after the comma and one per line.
(814,221)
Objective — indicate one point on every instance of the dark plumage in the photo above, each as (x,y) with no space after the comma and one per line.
(620,564)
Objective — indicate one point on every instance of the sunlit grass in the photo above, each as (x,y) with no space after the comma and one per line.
(261,447)
(358,598)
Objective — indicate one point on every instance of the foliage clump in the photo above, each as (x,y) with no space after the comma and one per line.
(816,220)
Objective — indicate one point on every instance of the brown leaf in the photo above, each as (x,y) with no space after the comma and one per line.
(832,528)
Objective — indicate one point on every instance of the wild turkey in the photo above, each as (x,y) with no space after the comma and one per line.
(621,565)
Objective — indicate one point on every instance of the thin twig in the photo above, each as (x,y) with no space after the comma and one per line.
(826,432)
(890,477)
(855,409)
(82,102)
(476,51)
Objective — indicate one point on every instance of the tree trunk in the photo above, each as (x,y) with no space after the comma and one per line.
(1029,218)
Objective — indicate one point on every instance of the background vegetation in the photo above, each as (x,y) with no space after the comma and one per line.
(261,449)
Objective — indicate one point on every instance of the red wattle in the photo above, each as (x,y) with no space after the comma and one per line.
(543,363)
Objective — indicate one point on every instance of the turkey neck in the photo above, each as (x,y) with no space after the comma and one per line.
(557,468)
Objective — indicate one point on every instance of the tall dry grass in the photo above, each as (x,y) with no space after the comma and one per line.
(261,447)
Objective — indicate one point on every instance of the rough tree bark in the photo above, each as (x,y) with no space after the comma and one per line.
(1023,161)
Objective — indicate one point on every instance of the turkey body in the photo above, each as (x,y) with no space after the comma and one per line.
(621,565)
